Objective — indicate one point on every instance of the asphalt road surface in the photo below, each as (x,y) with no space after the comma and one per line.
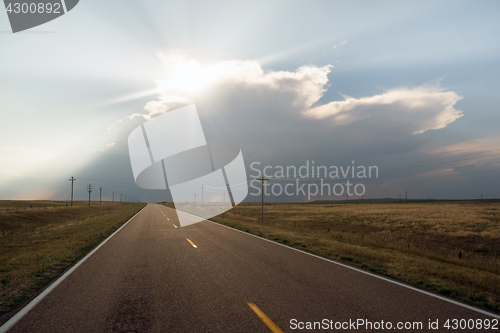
(153,276)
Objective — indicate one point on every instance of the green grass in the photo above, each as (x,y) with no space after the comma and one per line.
(38,244)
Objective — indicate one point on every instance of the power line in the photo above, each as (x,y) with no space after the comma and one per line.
(107,181)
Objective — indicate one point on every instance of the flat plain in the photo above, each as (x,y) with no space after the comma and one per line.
(449,247)
(41,239)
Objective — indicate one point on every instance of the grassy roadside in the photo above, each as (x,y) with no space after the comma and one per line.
(417,244)
(37,245)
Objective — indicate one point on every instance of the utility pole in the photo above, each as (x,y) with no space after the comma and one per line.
(195,200)
(406,197)
(89,189)
(262,179)
(72,180)
(113,197)
(481,197)
(100,195)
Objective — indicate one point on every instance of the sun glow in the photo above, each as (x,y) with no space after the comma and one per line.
(187,75)
(191,76)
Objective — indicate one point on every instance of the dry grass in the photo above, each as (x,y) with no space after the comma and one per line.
(39,243)
(418,243)
(9,206)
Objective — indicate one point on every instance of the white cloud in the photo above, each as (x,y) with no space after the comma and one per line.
(416,109)
(188,78)
(341,44)
(287,97)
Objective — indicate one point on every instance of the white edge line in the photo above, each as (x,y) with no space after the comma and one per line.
(24,311)
(367,273)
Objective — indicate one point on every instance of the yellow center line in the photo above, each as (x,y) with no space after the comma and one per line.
(176,227)
(163,214)
(269,323)
(191,243)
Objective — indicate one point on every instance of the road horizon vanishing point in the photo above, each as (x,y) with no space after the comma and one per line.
(171,151)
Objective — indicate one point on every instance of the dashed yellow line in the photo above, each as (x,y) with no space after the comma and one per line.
(269,323)
(168,218)
(174,226)
(190,242)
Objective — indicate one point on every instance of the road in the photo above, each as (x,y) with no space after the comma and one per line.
(153,276)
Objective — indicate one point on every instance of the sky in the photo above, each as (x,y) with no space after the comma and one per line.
(408,87)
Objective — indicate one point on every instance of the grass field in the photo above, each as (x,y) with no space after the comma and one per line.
(452,248)
(40,242)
